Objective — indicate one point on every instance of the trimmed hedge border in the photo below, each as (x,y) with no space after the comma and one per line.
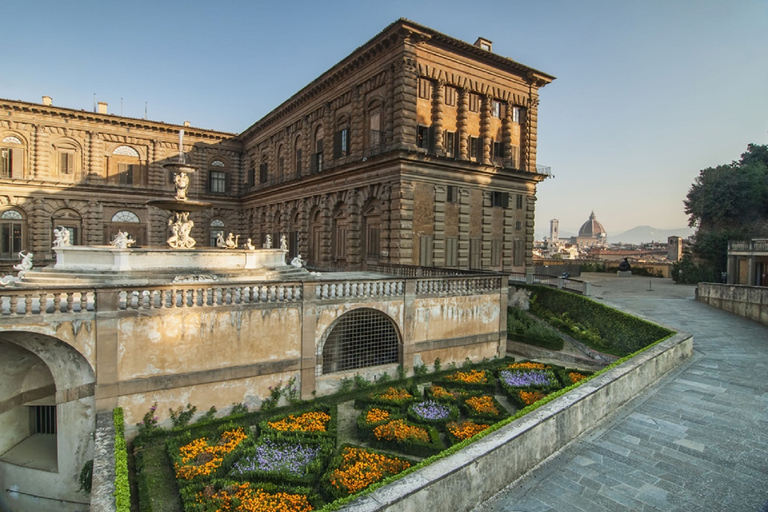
(122,488)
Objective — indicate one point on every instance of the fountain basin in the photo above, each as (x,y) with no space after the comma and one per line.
(180,261)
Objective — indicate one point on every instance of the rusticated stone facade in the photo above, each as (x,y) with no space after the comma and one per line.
(415,149)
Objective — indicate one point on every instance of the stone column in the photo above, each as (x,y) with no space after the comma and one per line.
(96,157)
(506,136)
(328,130)
(438,100)
(463,228)
(462,122)
(384,234)
(42,168)
(529,130)
(389,109)
(404,101)
(401,224)
(439,225)
(357,124)
(485,129)
(354,224)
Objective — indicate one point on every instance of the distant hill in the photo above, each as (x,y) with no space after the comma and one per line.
(644,234)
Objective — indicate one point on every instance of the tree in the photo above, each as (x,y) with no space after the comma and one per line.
(728,202)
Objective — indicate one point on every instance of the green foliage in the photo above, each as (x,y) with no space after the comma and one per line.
(86,477)
(592,266)
(290,392)
(122,488)
(237,409)
(437,365)
(181,417)
(686,271)
(360,382)
(384,377)
(208,416)
(589,321)
(346,385)
(401,372)
(729,202)
(156,482)
(148,425)
(420,370)
(522,327)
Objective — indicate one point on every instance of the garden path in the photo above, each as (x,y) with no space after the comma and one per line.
(696,440)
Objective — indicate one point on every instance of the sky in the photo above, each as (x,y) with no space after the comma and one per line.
(647,93)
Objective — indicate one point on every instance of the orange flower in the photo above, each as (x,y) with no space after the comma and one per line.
(470,377)
(465,429)
(360,468)
(530,397)
(200,458)
(399,431)
(528,366)
(441,392)
(315,421)
(482,405)
(576,377)
(376,416)
(242,498)
(394,394)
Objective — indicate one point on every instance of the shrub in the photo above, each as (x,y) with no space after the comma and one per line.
(280,459)
(433,413)
(122,488)
(484,408)
(355,468)
(181,416)
(458,431)
(86,477)
(621,333)
(476,379)
(523,328)
(407,437)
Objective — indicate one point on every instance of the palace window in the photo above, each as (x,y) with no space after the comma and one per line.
(11,233)
(217,182)
(426,244)
(450,144)
(496,108)
(451,194)
(217,228)
(341,143)
(124,166)
(498,150)
(425,89)
(474,147)
(252,177)
(263,172)
(496,252)
(474,102)
(11,157)
(359,339)
(450,96)
(66,161)
(516,114)
(297,156)
(519,201)
(451,251)
(127,222)
(501,199)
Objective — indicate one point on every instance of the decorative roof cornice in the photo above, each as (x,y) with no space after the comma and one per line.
(109,120)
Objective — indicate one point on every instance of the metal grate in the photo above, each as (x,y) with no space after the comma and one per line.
(361,338)
(44,419)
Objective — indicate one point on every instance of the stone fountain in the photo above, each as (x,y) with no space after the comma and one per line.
(180,261)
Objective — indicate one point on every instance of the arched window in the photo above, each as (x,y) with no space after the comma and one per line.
(12,228)
(360,338)
(124,167)
(375,129)
(127,222)
(71,221)
(316,238)
(341,142)
(371,231)
(11,157)
(66,158)
(317,156)
(339,236)
(217,228)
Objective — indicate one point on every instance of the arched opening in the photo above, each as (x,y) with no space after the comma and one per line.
(125,167)
(71,221)
(361,338)
(339,236)
(127,222)
(13,226)
(47,421)
(216,230)
(371,231)
(315,238)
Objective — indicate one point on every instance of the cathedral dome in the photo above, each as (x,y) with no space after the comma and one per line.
(592,228)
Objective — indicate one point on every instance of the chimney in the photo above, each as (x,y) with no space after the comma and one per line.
(102,107)
(186,123)
(47,101)
(484,44)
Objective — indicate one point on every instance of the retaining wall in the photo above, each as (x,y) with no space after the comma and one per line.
(747,301)
(467,478)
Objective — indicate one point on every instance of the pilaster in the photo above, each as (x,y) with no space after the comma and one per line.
(463,227)
(487,229)
(42,161)
(404,101)
(462,122)
(485,132)
(506,136)
(439,225)
(438,100)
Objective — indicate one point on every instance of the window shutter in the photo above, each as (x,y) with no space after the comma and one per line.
(431,139)
(17,163)
(226,182)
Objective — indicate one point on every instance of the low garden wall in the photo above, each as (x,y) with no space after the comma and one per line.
(747,301)
(461,481)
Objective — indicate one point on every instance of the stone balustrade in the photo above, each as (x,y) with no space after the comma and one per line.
(197,296)
(27,302)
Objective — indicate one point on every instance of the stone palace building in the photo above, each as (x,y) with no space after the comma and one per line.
(417,148)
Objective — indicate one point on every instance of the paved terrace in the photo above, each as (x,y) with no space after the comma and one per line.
(695,441)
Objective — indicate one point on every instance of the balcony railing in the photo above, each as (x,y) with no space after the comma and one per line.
(543,169)
(757,245)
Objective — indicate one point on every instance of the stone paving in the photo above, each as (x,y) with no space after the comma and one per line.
(695,441)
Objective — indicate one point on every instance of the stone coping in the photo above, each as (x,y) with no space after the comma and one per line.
(463,480)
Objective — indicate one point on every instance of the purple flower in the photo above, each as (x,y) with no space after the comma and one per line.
(527,378)
(431,410)
(272,456)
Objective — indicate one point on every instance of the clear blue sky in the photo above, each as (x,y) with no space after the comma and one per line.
(647,93)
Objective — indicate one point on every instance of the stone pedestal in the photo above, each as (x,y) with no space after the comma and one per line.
(624,273)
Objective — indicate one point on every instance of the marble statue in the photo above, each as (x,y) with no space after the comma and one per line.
(122,240)
(297,261)
(23,267)
(62,237)
(283,242)
(268,242)
(248,245)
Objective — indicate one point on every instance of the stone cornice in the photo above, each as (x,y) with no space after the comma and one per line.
(101,121)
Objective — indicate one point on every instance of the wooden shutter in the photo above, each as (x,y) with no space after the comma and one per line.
(17,163)
(337,145)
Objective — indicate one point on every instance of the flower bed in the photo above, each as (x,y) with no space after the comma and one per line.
(283,459)
(354,469)
(526,365)
(570,376)
(400,397)
(479,380)
(407,437)
(522,398)
(539,379)
(442,394)
(461,430)
(375,416)
(433,413)
(484,408)
(249,497)
(318,422)
(201,458)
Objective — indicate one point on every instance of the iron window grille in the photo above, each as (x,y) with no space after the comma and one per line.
(361,338)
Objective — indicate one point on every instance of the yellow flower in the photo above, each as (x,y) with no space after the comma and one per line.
(465,429)
(360,468)
(482,405)
(315,421)
(399,430)
(531,397)
(470,377)
(200,458)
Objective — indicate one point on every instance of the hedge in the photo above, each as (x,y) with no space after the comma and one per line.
(122,487)
(621,333)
